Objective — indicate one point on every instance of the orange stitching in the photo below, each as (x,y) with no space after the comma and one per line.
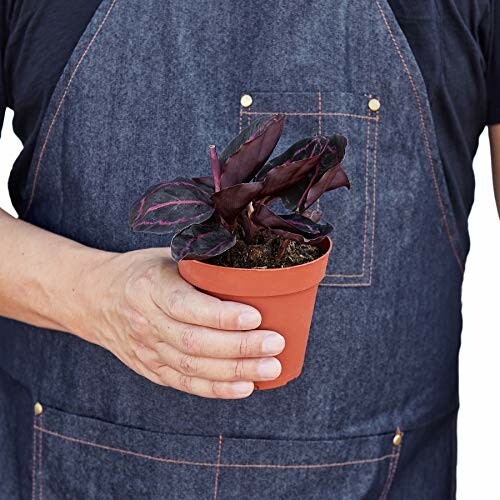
(241,119)
(426,137)
(209,464)
(293,113)
(40,471)
(33,461)
(320,106)
(61,102)
(396,450)
(217,468)
(367,163)
(374,199)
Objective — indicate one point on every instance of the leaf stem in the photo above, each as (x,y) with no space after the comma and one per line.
(282,249)
(216,167)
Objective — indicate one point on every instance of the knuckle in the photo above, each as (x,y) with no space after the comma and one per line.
(189,340)
(186,383)
(244,346)
(238,369)
(138,322)
(176,302)
(189,365)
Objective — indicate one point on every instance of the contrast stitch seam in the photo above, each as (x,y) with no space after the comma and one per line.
(374,202)
(320,108)
(426,137)
(396,450)
(217,468)
(367,167)
(60,105)
(241,119)
(34,461)
(40,458)
(299,113)
(210,464)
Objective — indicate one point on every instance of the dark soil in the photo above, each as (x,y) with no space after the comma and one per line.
(265,255)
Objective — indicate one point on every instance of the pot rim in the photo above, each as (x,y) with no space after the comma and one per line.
(238,281)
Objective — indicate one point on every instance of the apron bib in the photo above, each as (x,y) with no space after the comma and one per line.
(150,85)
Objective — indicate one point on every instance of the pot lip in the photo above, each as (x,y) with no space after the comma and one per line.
(208,266)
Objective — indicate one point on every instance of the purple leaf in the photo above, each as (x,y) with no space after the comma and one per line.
(201,242)
(206,182)
(171,206)
(230,202)
(334,153)
(295,224)
(249,151)
(280,178)
(331,179)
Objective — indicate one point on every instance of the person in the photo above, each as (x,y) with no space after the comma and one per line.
(117,378)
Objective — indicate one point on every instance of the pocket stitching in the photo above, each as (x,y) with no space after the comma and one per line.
(396,450)
(319,113)
(217,464)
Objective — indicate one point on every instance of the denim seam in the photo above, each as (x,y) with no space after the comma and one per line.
(214,464)
(320,111)
(34,461)
(369,118)
(367,166)
(217,468)
(312,113)
(426,136)
(61,103)
(374,198)
(396,450)
(40,458)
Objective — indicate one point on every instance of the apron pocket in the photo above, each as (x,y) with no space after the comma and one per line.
(350,212)
(80,457)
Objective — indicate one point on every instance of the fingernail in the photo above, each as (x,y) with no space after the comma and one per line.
(269,368)
(273,344)
(248,320)
(242,387)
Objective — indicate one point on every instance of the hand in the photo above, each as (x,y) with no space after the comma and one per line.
(140,309)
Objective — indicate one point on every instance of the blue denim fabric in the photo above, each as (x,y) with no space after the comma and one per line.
(149,86)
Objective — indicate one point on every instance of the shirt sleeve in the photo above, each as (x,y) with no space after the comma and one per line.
(493,72)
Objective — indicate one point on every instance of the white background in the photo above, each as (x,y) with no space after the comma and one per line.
(478,436)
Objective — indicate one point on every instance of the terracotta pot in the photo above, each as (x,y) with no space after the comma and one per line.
(285,298)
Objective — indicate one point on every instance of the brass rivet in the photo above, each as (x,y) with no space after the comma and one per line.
(374,104)
(38,408)
(246,100)
(397,440)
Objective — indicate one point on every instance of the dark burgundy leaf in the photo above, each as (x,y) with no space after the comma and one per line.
(282,177)
(249,151)
(171,206)
(206,182)
(291,223)
(201,242)
(230,202)
(331,179)
(305,148)
(332,156)
(334,152)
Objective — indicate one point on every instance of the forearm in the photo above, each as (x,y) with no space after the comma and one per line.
(495,160)
(41,275)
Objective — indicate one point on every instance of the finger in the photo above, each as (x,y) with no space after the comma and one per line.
(211,343)
(188,305)
(203,387)
(217,369)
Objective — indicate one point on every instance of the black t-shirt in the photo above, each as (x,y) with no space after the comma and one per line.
(455,42)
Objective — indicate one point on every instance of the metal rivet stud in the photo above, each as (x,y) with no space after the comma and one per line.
(397,440)
(38,408)
(374,104)
(246,100)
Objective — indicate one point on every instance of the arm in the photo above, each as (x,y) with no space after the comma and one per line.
(138,307)
(495,160)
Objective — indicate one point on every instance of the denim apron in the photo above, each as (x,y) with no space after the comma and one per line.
(149,86)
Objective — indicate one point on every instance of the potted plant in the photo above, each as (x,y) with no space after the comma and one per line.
(231,244)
